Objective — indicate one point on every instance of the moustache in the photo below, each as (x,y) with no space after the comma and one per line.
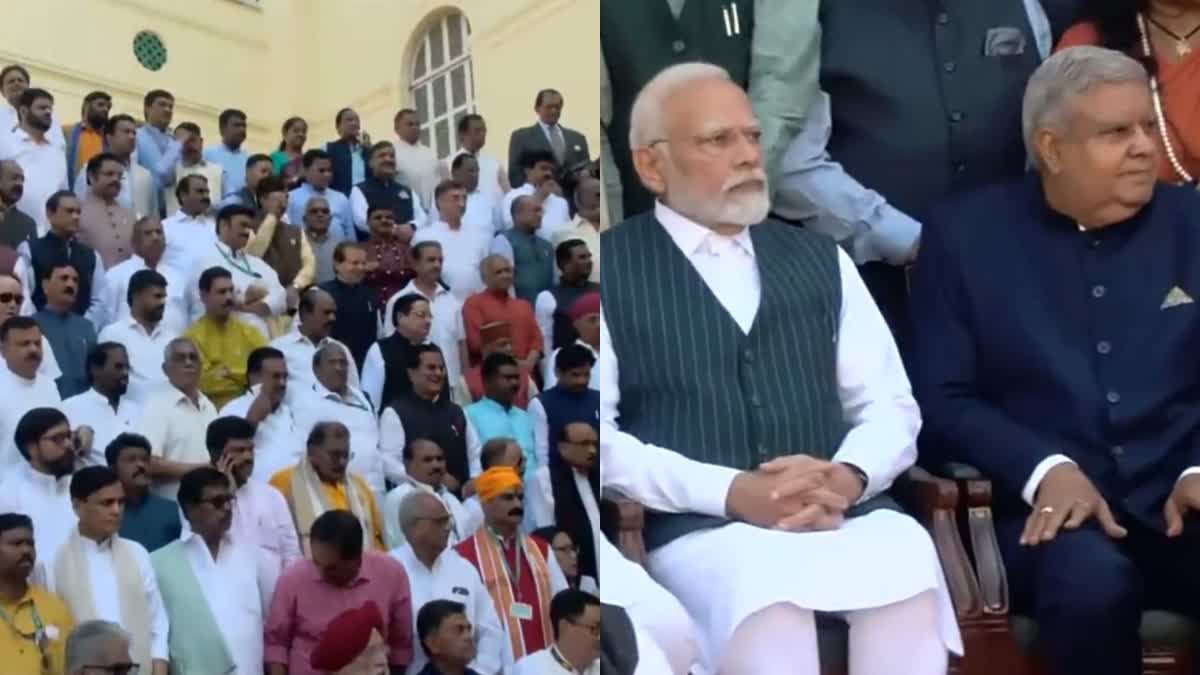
(518,512)
(69,290)
(752,177)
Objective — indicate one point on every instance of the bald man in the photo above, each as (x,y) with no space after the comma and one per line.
(495,304)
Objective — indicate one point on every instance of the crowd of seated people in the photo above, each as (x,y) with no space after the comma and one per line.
(250,425)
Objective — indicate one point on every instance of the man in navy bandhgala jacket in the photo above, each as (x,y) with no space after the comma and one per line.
(1057,325)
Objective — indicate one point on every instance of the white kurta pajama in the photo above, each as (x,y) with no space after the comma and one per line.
(834,571)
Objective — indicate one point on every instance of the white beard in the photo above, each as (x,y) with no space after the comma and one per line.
(743,207)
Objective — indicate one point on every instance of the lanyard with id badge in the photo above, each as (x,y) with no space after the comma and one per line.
(519,610)
(38,636)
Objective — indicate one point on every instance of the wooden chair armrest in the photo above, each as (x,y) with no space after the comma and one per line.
(934,502)
(631,519)
(981,528)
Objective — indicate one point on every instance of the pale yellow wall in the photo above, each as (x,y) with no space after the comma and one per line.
(306,57)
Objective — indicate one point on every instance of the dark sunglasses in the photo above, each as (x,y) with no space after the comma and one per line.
(12,297)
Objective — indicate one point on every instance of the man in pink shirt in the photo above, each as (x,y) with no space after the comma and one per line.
(340,576)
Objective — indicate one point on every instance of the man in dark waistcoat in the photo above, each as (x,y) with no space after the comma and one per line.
(349,152)
(1071,385)
(382,186)
(424,411)
(61,244)
(759,407)
(553,305)
(932,110)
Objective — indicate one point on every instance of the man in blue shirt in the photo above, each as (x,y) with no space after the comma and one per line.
(229,153)
(495,415)
(150,520)
(318,174)
(154,137)
(70,335)
(1055,330)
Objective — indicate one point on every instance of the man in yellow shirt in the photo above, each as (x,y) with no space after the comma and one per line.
(34,623)
(224,341)
(321,482)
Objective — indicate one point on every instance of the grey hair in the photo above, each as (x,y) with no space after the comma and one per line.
(413,509)
(1066,75)
(173,344)
(645,120)
(87,640)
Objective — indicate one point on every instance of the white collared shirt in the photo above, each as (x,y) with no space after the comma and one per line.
(480,214)
(47,501)
(92,409)
(544,663)
(176,429)
(188,238)
(299,351)
(393,536)
(453,578)
(233,590)
(277,446)
(417,167)
(875,393)
(556,216)
(106,597)
(238,262)
(146,352)
(21,396)
(116,288)
(354,410)
(447,330)
(392,439)
(45,167)
(462,250)
(491,173)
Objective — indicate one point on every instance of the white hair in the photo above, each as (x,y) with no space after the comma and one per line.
(88,640)
(1066,75)
(413,508)
(645,120)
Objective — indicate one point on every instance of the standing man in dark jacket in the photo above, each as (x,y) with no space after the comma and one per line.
(357,321)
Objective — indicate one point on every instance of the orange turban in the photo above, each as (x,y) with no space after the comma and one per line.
(495,481)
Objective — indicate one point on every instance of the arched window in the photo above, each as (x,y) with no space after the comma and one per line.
(442,87)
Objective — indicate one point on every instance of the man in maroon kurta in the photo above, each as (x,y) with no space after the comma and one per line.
(496,303)
(519,571)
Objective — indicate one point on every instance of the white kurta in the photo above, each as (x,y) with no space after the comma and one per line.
(232,588)
(544,663)
(556,214)
(462,251)
(116,289)
(261,517)
(453,578)
(146,351)
(393,536)
(47,501)
(92,409)
(188,238)
(447,330)
(823,571)
(21,396)
(355,411)
(299,351)
(277,446)
(106,597)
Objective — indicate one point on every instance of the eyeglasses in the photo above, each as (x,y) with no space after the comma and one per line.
(116,669)
(720,142)
(11,297)
(593,629)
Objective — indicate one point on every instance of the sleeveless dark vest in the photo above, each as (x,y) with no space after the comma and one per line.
(395,350)
(533,264)
(640,39)
(343,167)
(442,422)
(395,195)
(565,296)
(723,396)
(562,408)
(49,251)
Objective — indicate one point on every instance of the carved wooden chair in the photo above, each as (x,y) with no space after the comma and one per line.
(934,502)
(1167,638)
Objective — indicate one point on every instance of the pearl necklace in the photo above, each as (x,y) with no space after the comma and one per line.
(1158,111)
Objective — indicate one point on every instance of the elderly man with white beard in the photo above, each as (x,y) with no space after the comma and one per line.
(762,429)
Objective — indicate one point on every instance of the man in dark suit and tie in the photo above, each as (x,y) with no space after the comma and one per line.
(570,147)
(1055,333)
